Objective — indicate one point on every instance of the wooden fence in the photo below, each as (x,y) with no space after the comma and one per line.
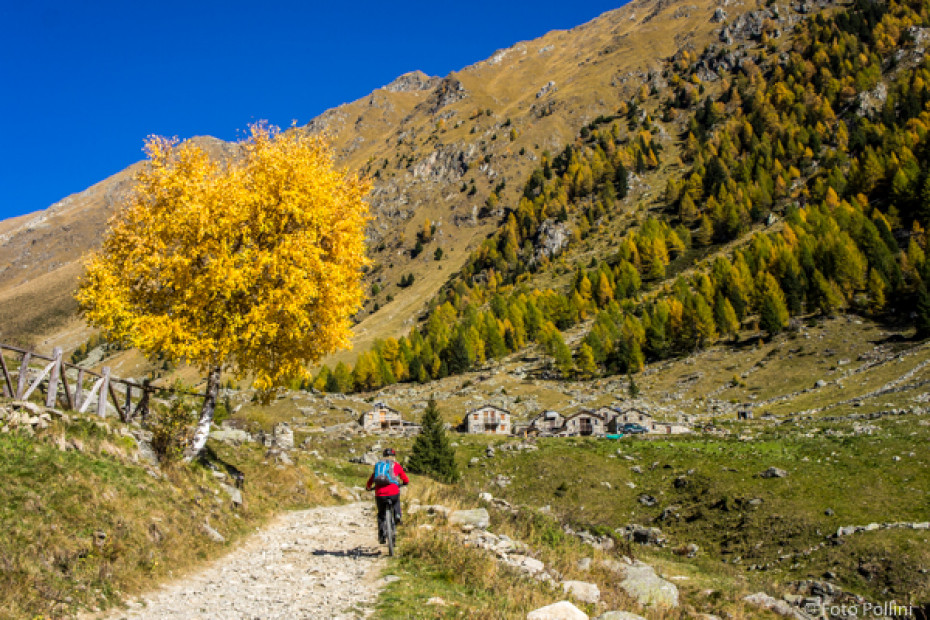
(130,399)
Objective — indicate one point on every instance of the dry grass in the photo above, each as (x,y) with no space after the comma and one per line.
(85,526)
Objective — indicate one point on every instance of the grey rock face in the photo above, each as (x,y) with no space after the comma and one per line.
(551,239)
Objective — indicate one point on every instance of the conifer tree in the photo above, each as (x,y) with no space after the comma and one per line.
(433,454)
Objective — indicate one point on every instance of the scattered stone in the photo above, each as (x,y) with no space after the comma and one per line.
(391,578)
(584,564)
(478,518)
(647,500)
(213,534)
(234,494)
(829,512)
(232,436)
(526,564)
(619,615)
(642,583)
(436,600)
(773,472)
(582,590)
(782,608)
(563,610)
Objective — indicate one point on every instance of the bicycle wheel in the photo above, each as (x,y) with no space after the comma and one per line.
(389,529)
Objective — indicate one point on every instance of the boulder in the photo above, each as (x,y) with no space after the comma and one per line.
(780,607)
(526,564)
(283,436)
(582,590)
(773,472)
(233,436)
(478,518)
(642,583)
(563,610)
(234,494)
(213,534)
(619,615)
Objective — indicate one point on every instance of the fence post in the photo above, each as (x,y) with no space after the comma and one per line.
(7,383)
(102,394)
(127,408)
(142,407)
(23,372)
(79,390)
(52,396)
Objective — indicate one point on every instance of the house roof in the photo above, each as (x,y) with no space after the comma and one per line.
(586,412)
(488,407)
(632,410)
(380,405)
(549,414)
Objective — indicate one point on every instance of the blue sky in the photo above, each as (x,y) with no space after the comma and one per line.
(83,83)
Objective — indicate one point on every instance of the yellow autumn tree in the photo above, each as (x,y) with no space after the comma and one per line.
(252,265)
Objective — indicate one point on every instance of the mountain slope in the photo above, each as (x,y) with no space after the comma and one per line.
(424,140)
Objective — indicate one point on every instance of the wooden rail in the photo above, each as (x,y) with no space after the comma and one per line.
(54,372)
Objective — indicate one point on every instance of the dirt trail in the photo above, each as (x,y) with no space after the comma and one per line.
(319,563)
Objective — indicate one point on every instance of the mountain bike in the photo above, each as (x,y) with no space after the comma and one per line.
(389,532)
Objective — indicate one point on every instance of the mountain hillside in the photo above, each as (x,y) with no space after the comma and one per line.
(437,148)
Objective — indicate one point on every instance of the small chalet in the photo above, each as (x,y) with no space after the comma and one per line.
(546,423)
(670,428)
(584,423)
(488,419)
(632,416)
(608,414)
(380,419)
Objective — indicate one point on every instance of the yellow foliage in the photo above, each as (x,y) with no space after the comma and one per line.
(253,264)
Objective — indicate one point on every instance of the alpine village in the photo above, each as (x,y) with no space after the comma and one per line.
(642,307)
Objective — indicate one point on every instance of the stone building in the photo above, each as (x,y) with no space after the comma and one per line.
(489,420)
(381,418)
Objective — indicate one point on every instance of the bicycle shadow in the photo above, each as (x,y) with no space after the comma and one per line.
(357,552)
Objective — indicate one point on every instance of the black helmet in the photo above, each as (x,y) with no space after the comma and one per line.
(389,452)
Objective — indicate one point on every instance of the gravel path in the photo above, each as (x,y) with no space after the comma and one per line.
(320,563)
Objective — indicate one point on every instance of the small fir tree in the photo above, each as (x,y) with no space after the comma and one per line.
(633,388)
(433,454)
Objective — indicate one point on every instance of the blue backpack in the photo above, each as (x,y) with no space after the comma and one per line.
(384,473)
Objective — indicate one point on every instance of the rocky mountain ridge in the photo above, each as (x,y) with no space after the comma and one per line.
(423,139)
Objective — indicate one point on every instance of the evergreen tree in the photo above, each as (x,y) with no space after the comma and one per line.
(433,454)
(586,364)
(773,313)
(923,312)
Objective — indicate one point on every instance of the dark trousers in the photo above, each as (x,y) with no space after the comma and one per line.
(385,503)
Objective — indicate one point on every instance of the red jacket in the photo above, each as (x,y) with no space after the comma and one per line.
(388,489)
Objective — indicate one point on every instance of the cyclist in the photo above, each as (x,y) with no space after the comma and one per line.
(387,488)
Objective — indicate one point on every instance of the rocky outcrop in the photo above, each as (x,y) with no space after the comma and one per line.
(551,239)
(412,82)
(445,164)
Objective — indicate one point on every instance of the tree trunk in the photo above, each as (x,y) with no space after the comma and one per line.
(206,416)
